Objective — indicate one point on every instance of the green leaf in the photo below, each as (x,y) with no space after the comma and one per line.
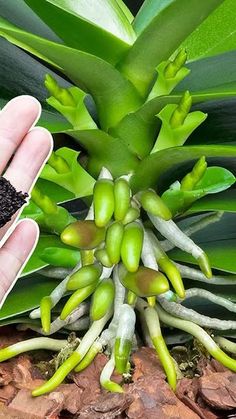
(26,295)
(211,75)
(21,15)
(215,35)
(218,240)
(77,180)
(22,74)
(147,11)
(35,263)
(171,23)
(164,167)
(83,24)
(224,201)
(113,94)
(215,179)
(53,121)
(105,150)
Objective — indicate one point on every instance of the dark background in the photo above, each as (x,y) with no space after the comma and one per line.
(134,5)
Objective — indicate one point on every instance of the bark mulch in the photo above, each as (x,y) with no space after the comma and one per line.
(210,395)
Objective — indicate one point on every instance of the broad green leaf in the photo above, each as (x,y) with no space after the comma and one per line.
(26,295)
(77,180)
(214,180)
(105,150)
(18,13)
(147,11)
(171,23)
(164,167)
(218,240)
(84,22)
(113,94)
(211,75)
(21,74)
(221,254)
(224,201)
(53,121)
(215,35)
(35,263)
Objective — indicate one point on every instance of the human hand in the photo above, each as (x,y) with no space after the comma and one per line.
(23,151)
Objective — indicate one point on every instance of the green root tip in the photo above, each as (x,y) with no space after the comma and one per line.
(205,266)
(113,387)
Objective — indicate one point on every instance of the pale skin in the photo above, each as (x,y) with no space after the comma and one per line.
(23,151)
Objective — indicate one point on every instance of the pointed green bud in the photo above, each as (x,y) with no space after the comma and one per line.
(192,178)
(131,246)
(43,201)
(131,215)
(83,235)
(62,95)
(178,117)
(76,299)
(85,276)
(57,256)
(102,300)
(122,194)
(113,241)
(103,199)
(145,282)
(45,313)
(58,163)
(204,264)
(102,256)
(153,204)
(174,66)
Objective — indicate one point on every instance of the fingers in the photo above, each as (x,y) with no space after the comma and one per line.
(16,118)
(29,159)
(27,163)
(14,254)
